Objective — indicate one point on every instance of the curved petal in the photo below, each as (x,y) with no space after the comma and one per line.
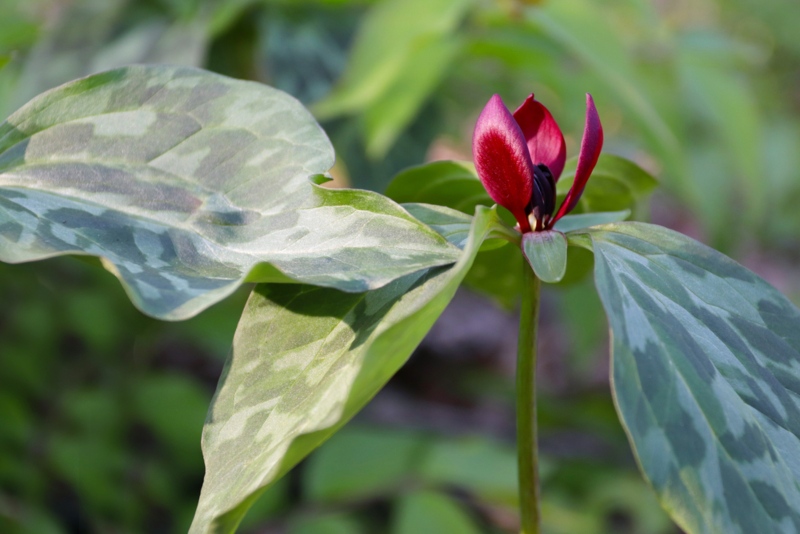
(591,144)
(544,137)
(502,160)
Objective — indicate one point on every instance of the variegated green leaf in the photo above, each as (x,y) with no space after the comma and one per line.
(706,376)
(185,181)
(305,359)
(455,226)
(568,223)
(450,224)
(455,184)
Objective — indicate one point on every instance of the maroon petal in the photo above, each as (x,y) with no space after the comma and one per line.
(591,144)
(502,160)
(545,140)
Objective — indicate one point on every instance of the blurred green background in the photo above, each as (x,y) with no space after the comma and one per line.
(101,408)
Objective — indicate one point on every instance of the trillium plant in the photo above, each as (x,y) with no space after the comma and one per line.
(185,184)
(519,159)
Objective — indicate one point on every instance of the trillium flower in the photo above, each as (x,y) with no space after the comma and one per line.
(520,158)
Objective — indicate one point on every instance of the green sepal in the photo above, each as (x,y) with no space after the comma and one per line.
(546,253)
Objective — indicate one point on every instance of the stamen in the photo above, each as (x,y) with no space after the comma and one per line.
(543,198)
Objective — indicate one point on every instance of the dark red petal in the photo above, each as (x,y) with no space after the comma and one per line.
(591,144)
(502,160)
(544,137)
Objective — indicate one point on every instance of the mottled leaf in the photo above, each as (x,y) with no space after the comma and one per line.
(455,184)
(706,376)
(185,181)
(450,224)
(304,360)
(546,253)
(568,223)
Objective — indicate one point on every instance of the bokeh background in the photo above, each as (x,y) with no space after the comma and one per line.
(101,408)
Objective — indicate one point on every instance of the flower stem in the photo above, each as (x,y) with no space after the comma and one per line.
(527,448)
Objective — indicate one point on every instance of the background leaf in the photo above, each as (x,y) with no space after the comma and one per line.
(428,512)
(360,464)
(391,113)
(403,51)
(327,524)
(389,39)
(304,360)
(706,379)
(490,275)
(184,181)
(573,24)
(616,184)
(454,184)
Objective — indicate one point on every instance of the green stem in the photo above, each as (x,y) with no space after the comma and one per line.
(527,449)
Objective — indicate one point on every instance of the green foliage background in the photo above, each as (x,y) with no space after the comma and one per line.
(102,408)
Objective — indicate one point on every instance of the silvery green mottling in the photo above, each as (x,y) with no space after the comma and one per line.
(706,367)
(450,224)
(569,223)
(184,181)
(305,359)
